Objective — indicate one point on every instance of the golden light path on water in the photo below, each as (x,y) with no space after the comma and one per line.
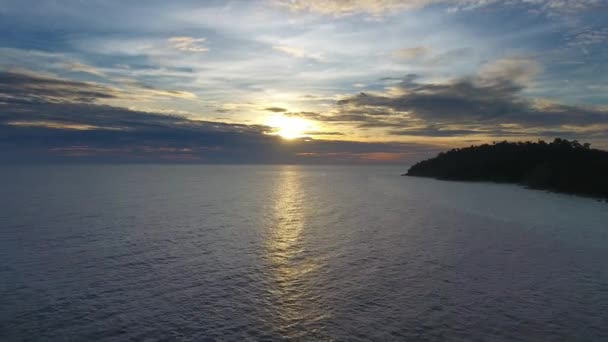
(297,304)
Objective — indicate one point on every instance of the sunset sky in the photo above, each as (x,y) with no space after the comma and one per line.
(296,81)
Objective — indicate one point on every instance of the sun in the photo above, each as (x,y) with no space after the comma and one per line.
(288,127)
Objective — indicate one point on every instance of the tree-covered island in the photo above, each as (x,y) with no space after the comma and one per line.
(562,166)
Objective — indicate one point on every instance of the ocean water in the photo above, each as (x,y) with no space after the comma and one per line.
(195,253)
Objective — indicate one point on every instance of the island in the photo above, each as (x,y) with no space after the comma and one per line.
(561,166)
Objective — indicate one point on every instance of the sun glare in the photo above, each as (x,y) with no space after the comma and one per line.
(289,128)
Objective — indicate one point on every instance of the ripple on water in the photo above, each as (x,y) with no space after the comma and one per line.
(285,252)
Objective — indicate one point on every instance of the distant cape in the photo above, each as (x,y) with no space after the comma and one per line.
(562,166)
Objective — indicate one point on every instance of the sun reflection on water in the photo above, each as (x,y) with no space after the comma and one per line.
(292,266)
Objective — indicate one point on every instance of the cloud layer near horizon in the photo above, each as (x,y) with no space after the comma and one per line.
(49,119)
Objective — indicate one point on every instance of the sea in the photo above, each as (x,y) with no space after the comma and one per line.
(299,253)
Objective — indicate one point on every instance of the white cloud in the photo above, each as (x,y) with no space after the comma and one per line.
(347,7)
(566,6)
(297,52)
(379,7)
(521,71)
(588,36)
(81,67)
(188,44)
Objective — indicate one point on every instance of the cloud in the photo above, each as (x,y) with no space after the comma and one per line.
(517,70)
(379,7)
(144,91)
(297,52)
(40,123)
(88,132)
(566,6)
(275,109)
(347,7)
(452,56)
(412,52)
(189,44)
(59,125)
(493,94)
(492,103)
(588,37)
(327,133)
(80,67)
(32,88)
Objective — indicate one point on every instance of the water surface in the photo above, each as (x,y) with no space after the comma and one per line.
(291,252)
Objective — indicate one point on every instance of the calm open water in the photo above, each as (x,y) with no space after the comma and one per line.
(189,253)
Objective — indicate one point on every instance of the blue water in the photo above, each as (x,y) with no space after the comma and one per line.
(188,253)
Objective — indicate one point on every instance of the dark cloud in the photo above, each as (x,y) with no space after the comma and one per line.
(313,133)
(307,115)
(387,79)
(454,132)
(477,105)
(469,101)
(276,109)
(456,101)
(21,87)
(47,125)
(346,116)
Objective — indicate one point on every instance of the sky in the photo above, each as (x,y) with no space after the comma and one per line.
(296,81)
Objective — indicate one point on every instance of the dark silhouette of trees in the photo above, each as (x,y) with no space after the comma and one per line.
(562,165)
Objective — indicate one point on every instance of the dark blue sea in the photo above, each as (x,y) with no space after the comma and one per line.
(312,253)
